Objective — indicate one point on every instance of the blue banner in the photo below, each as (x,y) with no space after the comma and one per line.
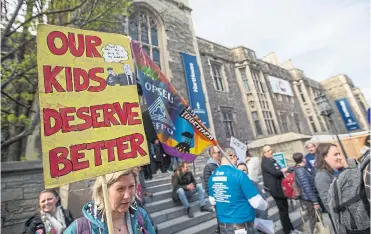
(346,113)
(195,93)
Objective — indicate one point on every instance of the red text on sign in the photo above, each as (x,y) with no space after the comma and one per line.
(73,158)
(74,80)
(77,47)
(110,114)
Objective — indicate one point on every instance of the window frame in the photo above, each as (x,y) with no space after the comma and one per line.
(215,78)
(227,119)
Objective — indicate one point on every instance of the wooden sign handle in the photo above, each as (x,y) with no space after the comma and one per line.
(107,205)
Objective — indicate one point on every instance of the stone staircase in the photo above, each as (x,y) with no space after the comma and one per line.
(171,218)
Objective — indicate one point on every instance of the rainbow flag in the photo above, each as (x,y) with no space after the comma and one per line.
(178,128)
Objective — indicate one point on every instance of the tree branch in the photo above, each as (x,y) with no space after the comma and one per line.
(100,15)
(17,48)
(92,10)
(45,13)
(11,21)
(17,76)
(14,100)
(23,134)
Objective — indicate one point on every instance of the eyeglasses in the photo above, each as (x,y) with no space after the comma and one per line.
(218,152)
(233,155)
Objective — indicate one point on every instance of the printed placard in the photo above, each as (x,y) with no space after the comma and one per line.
(91,122)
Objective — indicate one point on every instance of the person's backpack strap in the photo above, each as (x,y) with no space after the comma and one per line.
(141,223)
(339,208)
(83,226)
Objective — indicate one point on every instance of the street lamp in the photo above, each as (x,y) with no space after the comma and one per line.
(326,110)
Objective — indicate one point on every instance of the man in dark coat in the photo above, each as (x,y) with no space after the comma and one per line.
(184,186)
(272,178)
(159,154)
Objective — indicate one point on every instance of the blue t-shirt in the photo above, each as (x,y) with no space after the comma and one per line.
(231,189)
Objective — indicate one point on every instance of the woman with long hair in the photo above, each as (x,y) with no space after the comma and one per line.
(127,216)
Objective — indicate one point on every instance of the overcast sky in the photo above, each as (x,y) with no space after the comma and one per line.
(322,38)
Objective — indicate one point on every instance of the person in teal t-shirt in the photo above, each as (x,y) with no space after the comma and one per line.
(235,196)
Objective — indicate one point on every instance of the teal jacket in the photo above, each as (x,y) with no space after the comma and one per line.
(98,226)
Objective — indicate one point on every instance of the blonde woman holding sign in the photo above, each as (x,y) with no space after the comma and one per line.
(127,217)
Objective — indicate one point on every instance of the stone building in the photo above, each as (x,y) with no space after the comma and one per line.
(341,86)
(307,90)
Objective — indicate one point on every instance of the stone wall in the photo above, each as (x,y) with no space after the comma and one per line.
(21,183)
(231,98)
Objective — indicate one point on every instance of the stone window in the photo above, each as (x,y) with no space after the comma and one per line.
(245,81)
(312,124)
(297,122)
(255,118)
(301,93)
(144,28)
(216,69)
(321,124)
(268,119)
(227,120)
(285,127)
(259,88)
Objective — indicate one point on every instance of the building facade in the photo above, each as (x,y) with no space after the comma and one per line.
(341,87)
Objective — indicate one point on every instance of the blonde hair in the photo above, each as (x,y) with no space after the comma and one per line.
(308,143)
(111,179)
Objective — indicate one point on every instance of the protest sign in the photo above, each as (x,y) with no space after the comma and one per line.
(280,159)
(91,122)
(240,149)
(181,133)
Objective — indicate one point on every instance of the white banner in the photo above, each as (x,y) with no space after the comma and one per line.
(280,86)
(240,149)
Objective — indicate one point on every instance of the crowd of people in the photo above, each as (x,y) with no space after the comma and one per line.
(325,181)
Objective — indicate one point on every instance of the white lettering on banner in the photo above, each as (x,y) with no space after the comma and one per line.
(193,78)
(220,178)
(345,109)
(159,91)
(158,112)
(163,127)
(220,192)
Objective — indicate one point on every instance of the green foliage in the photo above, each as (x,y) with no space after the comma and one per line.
(18,45)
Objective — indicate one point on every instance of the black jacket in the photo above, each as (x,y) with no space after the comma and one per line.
(306,182)
(208,170)
(272,177)
(180,180)
(159,152)
(35,223)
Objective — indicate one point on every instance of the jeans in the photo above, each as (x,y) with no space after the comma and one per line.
(173,160)
(231,230)
(283,209)
(183,194)
(311,215)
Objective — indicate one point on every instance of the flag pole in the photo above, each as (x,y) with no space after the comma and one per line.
(225,155)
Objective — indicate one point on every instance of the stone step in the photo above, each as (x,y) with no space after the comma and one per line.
(166,179)
(209,227)
(177,211)
(295,220)
(164,187)
(166,204)
(183,222)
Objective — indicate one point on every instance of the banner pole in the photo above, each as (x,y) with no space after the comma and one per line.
(194,168)
(107,206)
(225,155)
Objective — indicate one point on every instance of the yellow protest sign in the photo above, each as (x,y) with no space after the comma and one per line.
(91,121)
